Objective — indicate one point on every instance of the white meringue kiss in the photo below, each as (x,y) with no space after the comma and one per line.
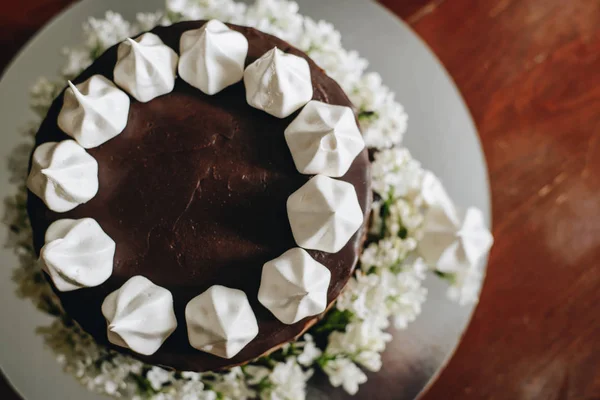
(145,67)
(294,286)
(212,57)
(452,239)
(77,254)
(63,175)
(278,83)
(94,111)
(220,321)
(324,139)
(324,214)
(139,315)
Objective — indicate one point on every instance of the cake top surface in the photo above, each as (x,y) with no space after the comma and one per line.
(193,192)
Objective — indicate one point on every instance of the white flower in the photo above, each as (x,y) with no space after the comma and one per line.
(395,172)
(223,10)
(277,17)
(233,385)
(403,214)
(101,33)
(42,94)
(190,390)
(256,373)
(178,6)
(319,36)
(192,376)
(343,372)
(371,360)
(147,21)
(362,342)
(78,59)
(363,297)
(310,351)
(289,382)
(405,292)
(388,127)
(387,253)
(158,377)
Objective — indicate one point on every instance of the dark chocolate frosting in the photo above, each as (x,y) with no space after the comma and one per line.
(194,194)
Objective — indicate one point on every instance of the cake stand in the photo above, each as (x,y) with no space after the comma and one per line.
(441,135)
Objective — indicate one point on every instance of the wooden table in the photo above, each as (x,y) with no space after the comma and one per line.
(530,73)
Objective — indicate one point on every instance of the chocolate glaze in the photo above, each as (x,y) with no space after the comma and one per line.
(194,194)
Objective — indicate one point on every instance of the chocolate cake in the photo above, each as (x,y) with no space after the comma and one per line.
(194,193)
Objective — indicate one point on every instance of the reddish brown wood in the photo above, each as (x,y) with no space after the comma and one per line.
(530,73)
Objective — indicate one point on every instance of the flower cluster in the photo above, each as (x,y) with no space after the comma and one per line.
(223,10)
(42,95)
(387,287)
(371,299)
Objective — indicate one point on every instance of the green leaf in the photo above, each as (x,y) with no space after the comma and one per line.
(445,276)
(384,212)
(143,384)
(264,384)
(403,233)
(324,359)
(336,320)
(367,116)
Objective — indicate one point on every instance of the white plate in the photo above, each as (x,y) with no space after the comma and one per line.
(441,135)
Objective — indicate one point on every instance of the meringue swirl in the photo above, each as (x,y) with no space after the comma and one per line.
(324,214)
(63,175)
(145,67)
(139,315)
(294,286)
(324,139)
(212,57)
(220,321)
(278,83)
(94,111)
(77,254)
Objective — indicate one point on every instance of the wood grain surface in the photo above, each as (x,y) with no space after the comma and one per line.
(530,73)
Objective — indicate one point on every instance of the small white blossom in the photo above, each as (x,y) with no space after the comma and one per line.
(395,172)
(371,360)
(101,33)
(256,373)
(389,125)
(233,385)
(192,376)
(277,17)
(223,10)
(310,351)
(78,59)
(343,372)
(403,214)
(363,297)
(288,382)
(405,292)
(158,377)
(387,253)
(360,337)
(319,36)
(147,21)
(42,94)
(189,390)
